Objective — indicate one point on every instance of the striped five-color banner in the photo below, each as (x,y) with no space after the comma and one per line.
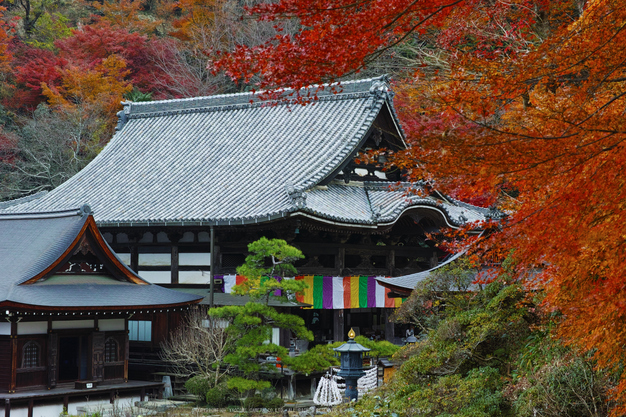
(326,292)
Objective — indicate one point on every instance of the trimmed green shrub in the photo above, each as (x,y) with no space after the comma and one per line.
(217,397)
(198,386)
(255,402)
(275,403)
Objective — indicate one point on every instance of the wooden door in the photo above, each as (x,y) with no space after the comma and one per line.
(97,369)
(53,359)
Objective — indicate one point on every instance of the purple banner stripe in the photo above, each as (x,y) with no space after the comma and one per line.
(327,291)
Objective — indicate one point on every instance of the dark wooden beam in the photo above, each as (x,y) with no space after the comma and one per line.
(174,264)
(134,258)
(13,382)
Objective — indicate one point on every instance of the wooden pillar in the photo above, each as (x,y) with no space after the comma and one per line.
(340,260)
(13,382)
(339,333)
(66,402)
(212,266)
(53,353)
(7,408)
(126,355)
(389,334)
(391,262)
(434,260)
(174,267)
(31,406)
(134,258)
(142,394)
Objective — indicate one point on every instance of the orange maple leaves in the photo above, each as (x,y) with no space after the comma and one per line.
(524,100)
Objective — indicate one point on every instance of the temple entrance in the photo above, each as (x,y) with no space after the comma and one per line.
(73,358)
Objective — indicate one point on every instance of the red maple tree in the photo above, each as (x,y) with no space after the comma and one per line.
(522,100)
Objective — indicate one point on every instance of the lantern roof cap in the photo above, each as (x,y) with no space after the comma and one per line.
(351,345)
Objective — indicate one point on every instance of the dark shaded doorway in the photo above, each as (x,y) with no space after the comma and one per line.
(68,358)
(73,358)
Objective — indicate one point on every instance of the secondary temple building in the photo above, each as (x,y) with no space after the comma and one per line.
(66,301)
(182,176)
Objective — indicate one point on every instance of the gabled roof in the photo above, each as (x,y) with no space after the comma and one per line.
(34,249)
(234,159)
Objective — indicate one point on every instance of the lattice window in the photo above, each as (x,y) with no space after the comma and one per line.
(110,350)
(30,355)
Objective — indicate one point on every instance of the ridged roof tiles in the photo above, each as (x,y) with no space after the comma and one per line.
(236,159)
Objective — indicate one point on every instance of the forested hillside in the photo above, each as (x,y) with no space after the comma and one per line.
(67,64)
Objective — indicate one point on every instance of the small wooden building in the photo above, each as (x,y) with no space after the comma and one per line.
(65,304)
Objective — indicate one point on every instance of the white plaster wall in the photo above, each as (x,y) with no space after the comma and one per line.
(32,327)
(73,324)
(156,277)
(108,325)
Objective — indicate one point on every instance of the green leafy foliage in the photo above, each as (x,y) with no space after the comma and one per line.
(268,259)
(321,357)
(251,324)
(316,359)
(220,395)
(198,385)
(553,381)
(485,353)
(48,28)
(476,394)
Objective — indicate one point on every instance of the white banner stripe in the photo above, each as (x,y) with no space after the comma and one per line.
(337,292)
(380,295)
(229,283)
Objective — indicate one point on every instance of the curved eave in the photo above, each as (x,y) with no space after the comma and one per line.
(57,309)
(336,221)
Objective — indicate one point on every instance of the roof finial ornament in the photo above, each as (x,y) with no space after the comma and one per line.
(122,115)
(297,198)
(85,210)
(494,213)
(351,334)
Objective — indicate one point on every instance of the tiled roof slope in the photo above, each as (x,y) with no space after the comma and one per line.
(409,282)
(31,243)
(232,159)
(379,203)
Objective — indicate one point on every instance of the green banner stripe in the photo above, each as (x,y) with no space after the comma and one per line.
(318,291)
(363,292)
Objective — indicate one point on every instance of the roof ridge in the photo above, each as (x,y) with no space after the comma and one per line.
(331,91)
(25,199)
(79,211)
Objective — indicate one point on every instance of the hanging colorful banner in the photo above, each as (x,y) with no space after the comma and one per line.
(326,292)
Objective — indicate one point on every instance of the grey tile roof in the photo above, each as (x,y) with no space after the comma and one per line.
(30,243)
(383,202)
(409,282)
(233,159)
(93,297)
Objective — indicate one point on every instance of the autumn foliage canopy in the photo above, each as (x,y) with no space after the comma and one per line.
(520,101)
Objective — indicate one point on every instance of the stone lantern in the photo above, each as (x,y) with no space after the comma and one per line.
(351,364)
